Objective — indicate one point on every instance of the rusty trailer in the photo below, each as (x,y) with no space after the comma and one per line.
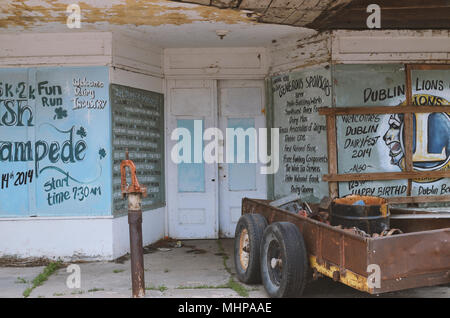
(417,257)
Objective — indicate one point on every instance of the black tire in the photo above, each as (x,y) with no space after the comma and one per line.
(284,260)
(247,242)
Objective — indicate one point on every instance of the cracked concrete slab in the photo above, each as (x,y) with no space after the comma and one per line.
(169,271)
(194,270)
(14,280)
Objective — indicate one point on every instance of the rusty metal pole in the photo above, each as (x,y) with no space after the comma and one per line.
(136,249)
(134,192)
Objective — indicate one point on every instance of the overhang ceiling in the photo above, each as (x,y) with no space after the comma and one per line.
(162,23)
(395,14)
(290,12)
(193,23)
(343,14)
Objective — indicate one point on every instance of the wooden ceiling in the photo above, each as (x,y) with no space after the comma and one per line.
(395,14)
(343,14)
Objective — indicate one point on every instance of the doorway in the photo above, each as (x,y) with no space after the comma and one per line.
(204,199)
(241,104)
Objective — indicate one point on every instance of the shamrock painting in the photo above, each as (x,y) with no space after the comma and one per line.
(82,132)
(60,113)
(102,153)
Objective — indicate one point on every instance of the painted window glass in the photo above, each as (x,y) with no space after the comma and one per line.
(242,176)
(138,125)
(431,134)
(55,147)
(17,124)
(375,143)
(297,96)
(191,173)
(370,143)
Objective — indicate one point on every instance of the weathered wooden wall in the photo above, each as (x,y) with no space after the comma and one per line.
(359,47)
(391,46)
(295,53)
(217,63)
(50,49)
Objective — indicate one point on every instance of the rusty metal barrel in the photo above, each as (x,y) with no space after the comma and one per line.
(367,213)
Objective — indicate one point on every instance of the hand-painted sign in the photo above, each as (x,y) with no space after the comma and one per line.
(55,142)
(375,143)
(138,125)
(303,148)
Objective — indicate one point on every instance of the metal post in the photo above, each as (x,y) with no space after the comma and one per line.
(136,249)
(135,193)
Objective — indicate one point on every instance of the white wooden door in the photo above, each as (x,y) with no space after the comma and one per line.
(192,185)
(241,104)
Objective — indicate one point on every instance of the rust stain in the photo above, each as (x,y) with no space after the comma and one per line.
(131,12)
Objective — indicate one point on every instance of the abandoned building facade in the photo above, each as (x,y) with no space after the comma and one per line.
(73,100)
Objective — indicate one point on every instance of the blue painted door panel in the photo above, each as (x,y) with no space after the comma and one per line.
(242,176)
(191,175)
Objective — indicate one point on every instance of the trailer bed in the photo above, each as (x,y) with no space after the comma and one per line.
(408,260)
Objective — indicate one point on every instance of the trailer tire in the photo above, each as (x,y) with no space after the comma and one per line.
(284,260)
(247,243)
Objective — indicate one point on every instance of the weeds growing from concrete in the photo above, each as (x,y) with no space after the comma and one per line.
(232,284)
(21,280)
(95,290)
(78,292)
(161,288)
(42,277)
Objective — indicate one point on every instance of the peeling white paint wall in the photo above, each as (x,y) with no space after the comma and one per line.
(391,46)
(66,238)
(354,47)
(292,53)
(152,230)
(216,63)
(53,49)
(72,238)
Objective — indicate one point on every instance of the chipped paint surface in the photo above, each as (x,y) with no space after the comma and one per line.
(299,52)
(288,12)
(350,278)
(32,13)
(163,23)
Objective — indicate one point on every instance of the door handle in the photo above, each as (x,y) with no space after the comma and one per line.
(213,180)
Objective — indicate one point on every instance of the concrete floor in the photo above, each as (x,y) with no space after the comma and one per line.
(200,268)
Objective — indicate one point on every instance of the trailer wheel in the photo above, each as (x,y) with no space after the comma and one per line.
(247,242)
(284,262)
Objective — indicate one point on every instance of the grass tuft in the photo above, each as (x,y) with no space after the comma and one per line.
(161,288)
(21,280)
(77,292)
(231,284)
(42,277)
(95,289)
(116,271)
(238,288)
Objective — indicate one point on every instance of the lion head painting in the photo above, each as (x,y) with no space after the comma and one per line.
(437,140)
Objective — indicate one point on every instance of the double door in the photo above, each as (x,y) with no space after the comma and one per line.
(212,153)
